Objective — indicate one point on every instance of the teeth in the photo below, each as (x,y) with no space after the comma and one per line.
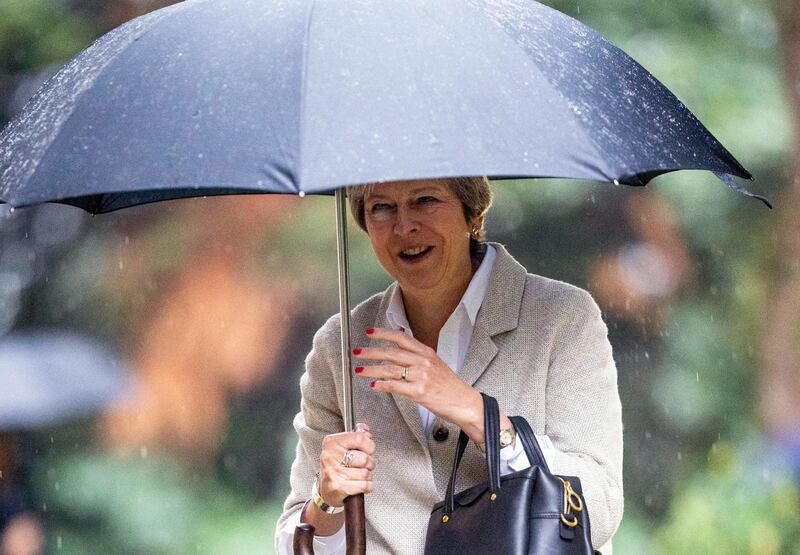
(412,252)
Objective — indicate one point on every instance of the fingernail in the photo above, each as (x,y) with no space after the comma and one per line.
(372,384)
(357,351)
(370,331)
(359,369)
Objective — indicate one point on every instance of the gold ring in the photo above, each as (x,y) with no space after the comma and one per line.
(347,460)
(405,374)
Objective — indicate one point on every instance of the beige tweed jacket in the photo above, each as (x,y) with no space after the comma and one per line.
(539,347)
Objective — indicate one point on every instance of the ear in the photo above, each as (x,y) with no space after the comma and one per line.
(477,223)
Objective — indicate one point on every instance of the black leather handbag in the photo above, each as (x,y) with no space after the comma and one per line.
(528,512)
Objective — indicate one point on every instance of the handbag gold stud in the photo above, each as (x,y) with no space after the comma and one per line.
(445,518)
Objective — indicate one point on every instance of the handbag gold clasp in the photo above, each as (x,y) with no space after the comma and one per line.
(573,498)
(571,523)
(572,502)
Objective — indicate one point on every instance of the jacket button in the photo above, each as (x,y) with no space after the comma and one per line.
(441,434)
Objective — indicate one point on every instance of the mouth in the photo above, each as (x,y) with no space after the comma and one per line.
(415,254)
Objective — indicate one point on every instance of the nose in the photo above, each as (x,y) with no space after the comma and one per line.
(405,222)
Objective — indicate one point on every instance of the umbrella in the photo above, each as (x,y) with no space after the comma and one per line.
(232,96)
(211,97)
(47,376)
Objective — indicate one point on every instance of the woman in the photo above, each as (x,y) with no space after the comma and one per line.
(463,317)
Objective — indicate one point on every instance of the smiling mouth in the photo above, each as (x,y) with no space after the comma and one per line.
(416,253)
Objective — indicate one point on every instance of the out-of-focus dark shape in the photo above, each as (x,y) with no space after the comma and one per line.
(638,281)
(232,96)
(21,531)
(47,376)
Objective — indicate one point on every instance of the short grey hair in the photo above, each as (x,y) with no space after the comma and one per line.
(473,192)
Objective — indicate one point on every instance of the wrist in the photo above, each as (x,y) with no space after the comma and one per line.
(323,523)
(325,506)
(508,435)
(473,424)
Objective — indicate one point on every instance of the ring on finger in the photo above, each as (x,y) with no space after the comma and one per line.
(405,374)
(347,459)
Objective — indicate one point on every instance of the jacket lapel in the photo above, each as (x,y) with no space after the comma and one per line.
(498,314)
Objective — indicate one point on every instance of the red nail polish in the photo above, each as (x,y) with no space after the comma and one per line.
(357,351)
(372,384)
(370,331)
(359,369)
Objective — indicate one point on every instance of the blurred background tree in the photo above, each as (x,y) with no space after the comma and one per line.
(212,304)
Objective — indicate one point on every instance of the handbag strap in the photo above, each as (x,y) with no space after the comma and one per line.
(491,432)
(529,443)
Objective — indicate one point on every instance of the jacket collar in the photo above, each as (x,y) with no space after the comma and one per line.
(498,314)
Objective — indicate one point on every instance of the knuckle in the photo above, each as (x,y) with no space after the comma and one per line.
(356,439)
(359,440)
(324,460)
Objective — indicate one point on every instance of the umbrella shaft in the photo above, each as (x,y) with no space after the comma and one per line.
(344,306)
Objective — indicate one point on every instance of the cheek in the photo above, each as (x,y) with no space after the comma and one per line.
(380,248)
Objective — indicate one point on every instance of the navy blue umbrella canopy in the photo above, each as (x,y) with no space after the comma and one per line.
(211,97)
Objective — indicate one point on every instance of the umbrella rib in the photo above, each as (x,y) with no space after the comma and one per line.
(303,86)
(589,140)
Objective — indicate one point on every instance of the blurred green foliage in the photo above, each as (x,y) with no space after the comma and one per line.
(36,33)
(104,503)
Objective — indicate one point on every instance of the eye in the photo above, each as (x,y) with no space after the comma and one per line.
(378,207)
(427,199)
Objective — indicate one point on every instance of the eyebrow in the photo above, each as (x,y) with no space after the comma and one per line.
(414,191)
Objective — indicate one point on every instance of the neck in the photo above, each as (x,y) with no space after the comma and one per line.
(427,311)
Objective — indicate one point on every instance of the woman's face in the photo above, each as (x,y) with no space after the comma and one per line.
(419,233)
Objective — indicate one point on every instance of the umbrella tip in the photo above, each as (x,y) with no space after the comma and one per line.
(730,182)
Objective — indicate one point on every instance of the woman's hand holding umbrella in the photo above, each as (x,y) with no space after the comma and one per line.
(414,370)
(346,465)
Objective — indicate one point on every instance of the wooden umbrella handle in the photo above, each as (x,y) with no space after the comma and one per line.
(355,524)
(354,527)
(303,542)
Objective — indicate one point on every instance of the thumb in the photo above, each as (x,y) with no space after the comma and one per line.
(362,427)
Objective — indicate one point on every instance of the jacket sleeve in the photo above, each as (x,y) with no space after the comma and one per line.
(319,416)
(583,412)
